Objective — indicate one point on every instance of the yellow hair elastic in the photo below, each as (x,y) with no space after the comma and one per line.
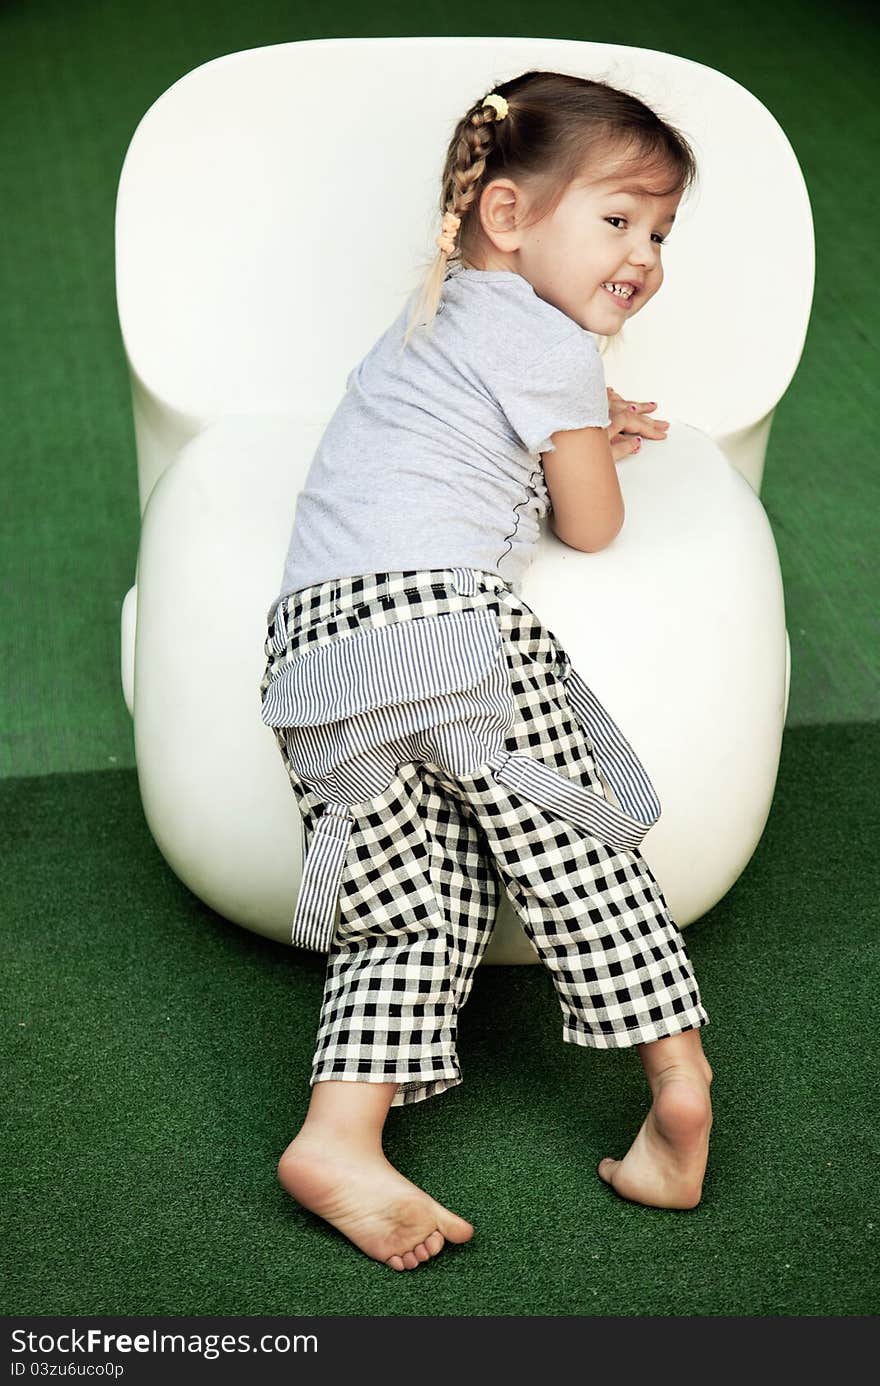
(499,103)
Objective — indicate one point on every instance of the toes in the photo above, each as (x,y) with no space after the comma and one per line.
(606,1168)
(421,1252)
(457,1229)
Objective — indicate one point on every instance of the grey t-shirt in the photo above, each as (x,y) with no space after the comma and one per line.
(432,457)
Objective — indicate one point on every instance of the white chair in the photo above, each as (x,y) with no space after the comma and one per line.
(265,236)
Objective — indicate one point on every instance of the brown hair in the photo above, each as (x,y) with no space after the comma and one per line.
(557,127)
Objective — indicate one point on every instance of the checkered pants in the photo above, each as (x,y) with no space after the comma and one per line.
(445,793)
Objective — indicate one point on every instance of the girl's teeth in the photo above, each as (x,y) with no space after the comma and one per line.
(621,293)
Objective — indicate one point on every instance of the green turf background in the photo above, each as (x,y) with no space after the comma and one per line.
(156,1056)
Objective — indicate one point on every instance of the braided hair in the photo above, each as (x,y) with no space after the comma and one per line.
(473,141)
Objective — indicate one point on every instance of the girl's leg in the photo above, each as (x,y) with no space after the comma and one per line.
(600,924)
(417,907)
(417,904)
(350,1114)
(621,970)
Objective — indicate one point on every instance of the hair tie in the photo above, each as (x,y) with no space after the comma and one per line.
(498,103)
(446,239)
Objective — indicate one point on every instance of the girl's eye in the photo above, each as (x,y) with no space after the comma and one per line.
(661,240)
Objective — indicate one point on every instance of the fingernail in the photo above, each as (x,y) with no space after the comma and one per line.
(638,444)
(633,408)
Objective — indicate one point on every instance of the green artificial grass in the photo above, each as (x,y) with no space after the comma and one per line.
(158,1059)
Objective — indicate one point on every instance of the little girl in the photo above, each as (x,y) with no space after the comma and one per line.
(438,740)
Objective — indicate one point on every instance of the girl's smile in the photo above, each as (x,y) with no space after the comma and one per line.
(621,300)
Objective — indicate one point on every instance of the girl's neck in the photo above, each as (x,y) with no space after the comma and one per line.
(478,269)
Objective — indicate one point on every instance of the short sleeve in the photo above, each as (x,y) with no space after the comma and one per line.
(563,388)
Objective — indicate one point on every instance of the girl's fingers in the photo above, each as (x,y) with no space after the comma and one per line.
(630,416)
(648,428)
(631,406)
(625,447)
(634,405)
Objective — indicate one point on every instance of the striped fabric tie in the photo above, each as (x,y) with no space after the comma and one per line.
(616,759)
(543,785)
(622,828)
(315,917)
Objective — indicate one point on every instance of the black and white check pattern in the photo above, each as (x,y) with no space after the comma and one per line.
(425,858)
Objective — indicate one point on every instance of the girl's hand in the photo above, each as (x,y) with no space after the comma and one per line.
(628,418)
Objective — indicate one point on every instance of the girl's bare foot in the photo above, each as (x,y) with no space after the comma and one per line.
(369,1201)
(666,1163)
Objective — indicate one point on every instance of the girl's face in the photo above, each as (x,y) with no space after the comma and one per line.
(603,231)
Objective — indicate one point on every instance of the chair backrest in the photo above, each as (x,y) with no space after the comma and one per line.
(276,207)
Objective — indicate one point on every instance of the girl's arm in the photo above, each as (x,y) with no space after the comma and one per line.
(584,490)
(581,475)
